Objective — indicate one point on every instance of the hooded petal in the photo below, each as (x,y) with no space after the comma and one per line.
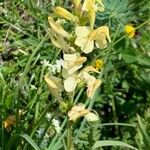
(92,87)
(89,7)
(59,41)
(65,14)
(57,28)
(101,34)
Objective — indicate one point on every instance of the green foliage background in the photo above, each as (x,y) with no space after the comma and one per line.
(125,91)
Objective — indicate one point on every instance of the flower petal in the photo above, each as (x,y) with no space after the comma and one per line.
(70,84)
(88,47)
(57,28)
(91,117)
(89,7)
(82,31)
(65,14)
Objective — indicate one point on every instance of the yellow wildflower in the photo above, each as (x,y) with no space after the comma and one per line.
(10,120)
(91,82)
(99,64)
(72,62)
(130,30)
(86,37)
(77,111)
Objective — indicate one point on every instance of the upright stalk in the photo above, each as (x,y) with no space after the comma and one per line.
(69,136)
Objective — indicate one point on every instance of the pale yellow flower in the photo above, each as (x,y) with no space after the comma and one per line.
(91,82)
(130,30)
(86,37)
(72,62)
(65,14)
(58,34)
(77,111)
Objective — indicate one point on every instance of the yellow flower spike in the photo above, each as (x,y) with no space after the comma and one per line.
(65,14)
(89,7)
(10,120)
(99,64)
(77,111)
(57,28)
(130,30)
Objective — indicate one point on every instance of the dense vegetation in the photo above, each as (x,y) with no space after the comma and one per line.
(35,116)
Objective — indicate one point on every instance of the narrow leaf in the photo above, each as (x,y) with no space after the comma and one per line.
(111,143)
(29,140)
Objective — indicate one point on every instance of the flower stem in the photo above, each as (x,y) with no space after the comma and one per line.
(69,137)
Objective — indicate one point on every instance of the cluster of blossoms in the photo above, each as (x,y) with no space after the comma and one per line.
(76,45)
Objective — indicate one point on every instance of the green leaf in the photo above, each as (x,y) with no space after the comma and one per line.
(111,143)
(29,140)
(146,138)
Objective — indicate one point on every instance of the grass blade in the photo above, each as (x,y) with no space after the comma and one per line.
(111,143)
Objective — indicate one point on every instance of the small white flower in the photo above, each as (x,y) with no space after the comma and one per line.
(45,63)
(56,68)
(48,116)
(59,64)
(56,125)
(40,132)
